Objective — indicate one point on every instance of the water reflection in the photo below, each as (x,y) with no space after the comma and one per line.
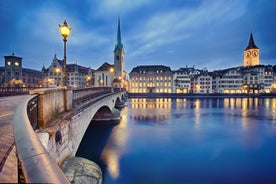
(156,110)
(199,133)
(110,156)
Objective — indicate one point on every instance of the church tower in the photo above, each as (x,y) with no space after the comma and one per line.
(119,55)
(251,53)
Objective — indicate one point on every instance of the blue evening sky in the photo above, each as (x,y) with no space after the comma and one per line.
(176,33)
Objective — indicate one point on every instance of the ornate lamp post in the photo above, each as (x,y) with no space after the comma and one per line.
(65,32)
(111,70)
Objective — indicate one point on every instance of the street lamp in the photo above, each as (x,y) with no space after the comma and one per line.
(111,70)
(57,70)
(65,32)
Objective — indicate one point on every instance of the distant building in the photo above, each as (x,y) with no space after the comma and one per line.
(227,81)
(201,83)
(151,79)
(257,79)
(104,75)
(251,53)
(14,75)
(182,79)
(119,60)
(77,76)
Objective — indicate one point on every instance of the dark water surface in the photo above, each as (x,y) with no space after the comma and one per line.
(187,141)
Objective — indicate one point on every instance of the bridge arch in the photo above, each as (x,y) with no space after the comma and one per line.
(103,112)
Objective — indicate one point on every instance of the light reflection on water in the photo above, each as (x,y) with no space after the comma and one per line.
(231,140)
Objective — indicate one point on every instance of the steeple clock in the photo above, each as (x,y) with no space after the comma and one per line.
(251,53)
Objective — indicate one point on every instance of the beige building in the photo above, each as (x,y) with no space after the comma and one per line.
(77,75)
(201,83)
(151,79)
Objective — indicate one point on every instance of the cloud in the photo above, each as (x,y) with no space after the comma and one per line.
(183,26)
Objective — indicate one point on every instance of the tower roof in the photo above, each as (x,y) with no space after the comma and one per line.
(119,44)
(251,43)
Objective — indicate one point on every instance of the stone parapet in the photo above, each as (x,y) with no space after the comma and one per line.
(52,102)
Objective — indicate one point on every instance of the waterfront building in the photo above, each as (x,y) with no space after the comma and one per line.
(104,75)
(201,83)
(77,75)
(151,79)
(14,75)
(227,81)
(251,53)
(257,79)
(182,79)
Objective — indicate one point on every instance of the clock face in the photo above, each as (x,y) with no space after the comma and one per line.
(248,54)
(16,64)
(255,53)
(9,63)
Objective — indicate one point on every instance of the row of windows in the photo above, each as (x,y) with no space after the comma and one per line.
(151,78)
(151,84)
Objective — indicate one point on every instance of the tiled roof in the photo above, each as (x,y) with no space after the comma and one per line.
(104,67)
(151,68)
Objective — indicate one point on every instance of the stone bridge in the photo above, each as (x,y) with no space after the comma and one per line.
(58,119)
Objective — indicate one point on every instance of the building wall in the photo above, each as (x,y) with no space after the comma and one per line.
(201,84)
(182,82)
(150,82)
(14,75)
(103,78)
(251,57)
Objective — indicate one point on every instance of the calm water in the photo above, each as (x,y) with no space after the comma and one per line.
(187,141)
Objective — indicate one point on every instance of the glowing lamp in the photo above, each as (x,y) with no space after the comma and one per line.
(64,30)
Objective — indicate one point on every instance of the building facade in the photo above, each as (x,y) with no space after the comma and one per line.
(14,75)
(151,79)
(182,79)
(77,76)
(227,81)
(201,83)
(104,75)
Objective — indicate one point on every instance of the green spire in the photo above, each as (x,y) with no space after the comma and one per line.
(119,44)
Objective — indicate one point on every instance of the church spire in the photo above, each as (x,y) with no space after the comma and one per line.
(251,43)
(119,44)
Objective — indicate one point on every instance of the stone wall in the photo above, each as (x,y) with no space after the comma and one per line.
(52,102)
(72,130)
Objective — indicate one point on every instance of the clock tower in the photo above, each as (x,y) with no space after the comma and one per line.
(13,67)
(119,53)
(251,53)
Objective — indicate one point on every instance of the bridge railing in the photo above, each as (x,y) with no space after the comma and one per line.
(85,94)
(37,165)
(11,91)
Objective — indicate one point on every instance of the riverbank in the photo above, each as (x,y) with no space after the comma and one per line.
(190,95)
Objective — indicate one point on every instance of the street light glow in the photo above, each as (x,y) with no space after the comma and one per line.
(64,30)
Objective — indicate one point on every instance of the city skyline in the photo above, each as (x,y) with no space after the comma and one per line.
(210,34)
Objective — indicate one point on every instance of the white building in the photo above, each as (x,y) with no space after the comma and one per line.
(201,83)
(104,75)
(227,81)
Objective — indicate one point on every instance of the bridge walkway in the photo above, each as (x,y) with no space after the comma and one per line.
(8,160)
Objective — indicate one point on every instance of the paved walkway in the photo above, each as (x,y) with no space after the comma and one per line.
(8,160)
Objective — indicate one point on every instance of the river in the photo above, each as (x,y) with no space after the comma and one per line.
(163,140)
